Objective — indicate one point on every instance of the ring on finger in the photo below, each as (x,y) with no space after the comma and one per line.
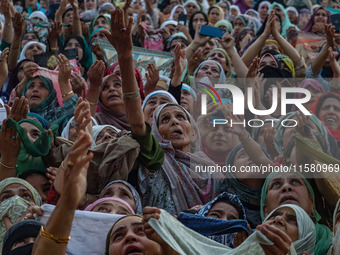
(14,138)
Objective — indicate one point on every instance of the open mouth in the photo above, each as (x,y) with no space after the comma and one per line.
(288,200)
(113,96)
(176,133)
(332,120)
(133,251)
(35,97)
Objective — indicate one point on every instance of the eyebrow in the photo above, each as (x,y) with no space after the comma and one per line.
(124,189)
(216,210)
(118,230)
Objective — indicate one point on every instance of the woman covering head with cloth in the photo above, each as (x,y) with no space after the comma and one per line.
(215,14)
(221,56)
(286,230)
(318,20)
(16,196)
(292,188)
(279,9)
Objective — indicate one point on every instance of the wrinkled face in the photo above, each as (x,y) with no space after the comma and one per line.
(174,126)
(220,140)
(112,207)
(223,211)
(330,113)
(101,23)
(32,131)
(285,220)
(19,190)
(219,57)
(68,18)
(119,190)
(321,17)
(178,11)
(238,25)
(209,69)
(198,19)
(111,95)
(36,92)
(128,237)
(74,44)
(106,135)
(288,188)
(29,37)
(270,46)
(214,15)
(187,100)
(34,49)
(90,4)
(41,184)
(191,9)
(264,12)
(152,104)
(267,61)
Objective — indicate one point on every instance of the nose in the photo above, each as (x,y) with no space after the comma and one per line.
(131,237)
(107,136)
(286,187)
(279,220)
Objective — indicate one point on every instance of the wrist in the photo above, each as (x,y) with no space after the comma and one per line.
(243,136)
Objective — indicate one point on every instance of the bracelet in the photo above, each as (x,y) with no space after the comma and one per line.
(10,167)
(131,94)
(247,140)
(67,94)
(53,238)
(90,102)
(53,49)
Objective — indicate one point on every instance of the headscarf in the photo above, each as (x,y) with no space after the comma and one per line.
(38,14)
(262,3)
(192,2)
(310,24)
(250,197)
(137,74)
(23,52)
(306,228)
(323,233)
(18,232)
(226,24)
(106,5)
(169,22)
(86,55)
(242,5)
(121,201)
(188,88)
(270,41)
(263,26)
(174,10)
(49,108)
(286,22)
(97,129)
(222,77)
(135,194)
(200,221)
(278,139)
(292,9)
(334,214)
(107,116)
(95,6)
(13,79)
(286,60)
(316,107)
(191,28)
(14,207)
(188,187)
(305,84)
(159,92)
(41,120)
(95,31)
(236,8)
(66,130)
(220,10)
(95,19)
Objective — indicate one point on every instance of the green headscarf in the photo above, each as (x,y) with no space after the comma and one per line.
(108,20)
(286,22)
(226,24)
(94,31)
(30,153)
(323,233)
(229,71)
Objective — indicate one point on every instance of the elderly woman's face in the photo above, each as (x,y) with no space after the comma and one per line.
(285,220)
(119,190)
(112,207)
(219,57)
(330,113)
(107,134)
(34,49)
(29,37)
(152,104)
(210,70)
(174,126)
(223,211)
(36,92)
(101,22)
(128,237)
(19,190)
(74,44)
(111,95)
(287,188)
(208,46)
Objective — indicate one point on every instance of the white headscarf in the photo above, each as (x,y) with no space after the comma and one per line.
(174,10)
(66,130)
(97,129)
(38,14)
(23,52)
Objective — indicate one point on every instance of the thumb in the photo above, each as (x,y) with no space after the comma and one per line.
(7,222)
(106,33)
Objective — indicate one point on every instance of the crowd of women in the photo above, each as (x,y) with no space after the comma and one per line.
(101,137)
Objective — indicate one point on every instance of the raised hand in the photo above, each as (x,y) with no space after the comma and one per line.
(19,25)
(179,59)
(53,34)
(19,109)
(64,75)
(268,28)
(253,68)
(227,41)
(152,77)
(77,83)
(120,36)
(95,73)
(3,66)
(82,116)
(330,31)
(29,69)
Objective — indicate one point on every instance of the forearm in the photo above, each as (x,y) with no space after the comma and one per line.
(320,60)
(7,33)
(7,168)
(132,105)
(241,69)
(190,50)
(92,97)
(14,52)
(289,50)
(58,17)
(19,88)
(59,225)
(76,23)
(254,50)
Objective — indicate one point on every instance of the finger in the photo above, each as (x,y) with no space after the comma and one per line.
(7,222)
